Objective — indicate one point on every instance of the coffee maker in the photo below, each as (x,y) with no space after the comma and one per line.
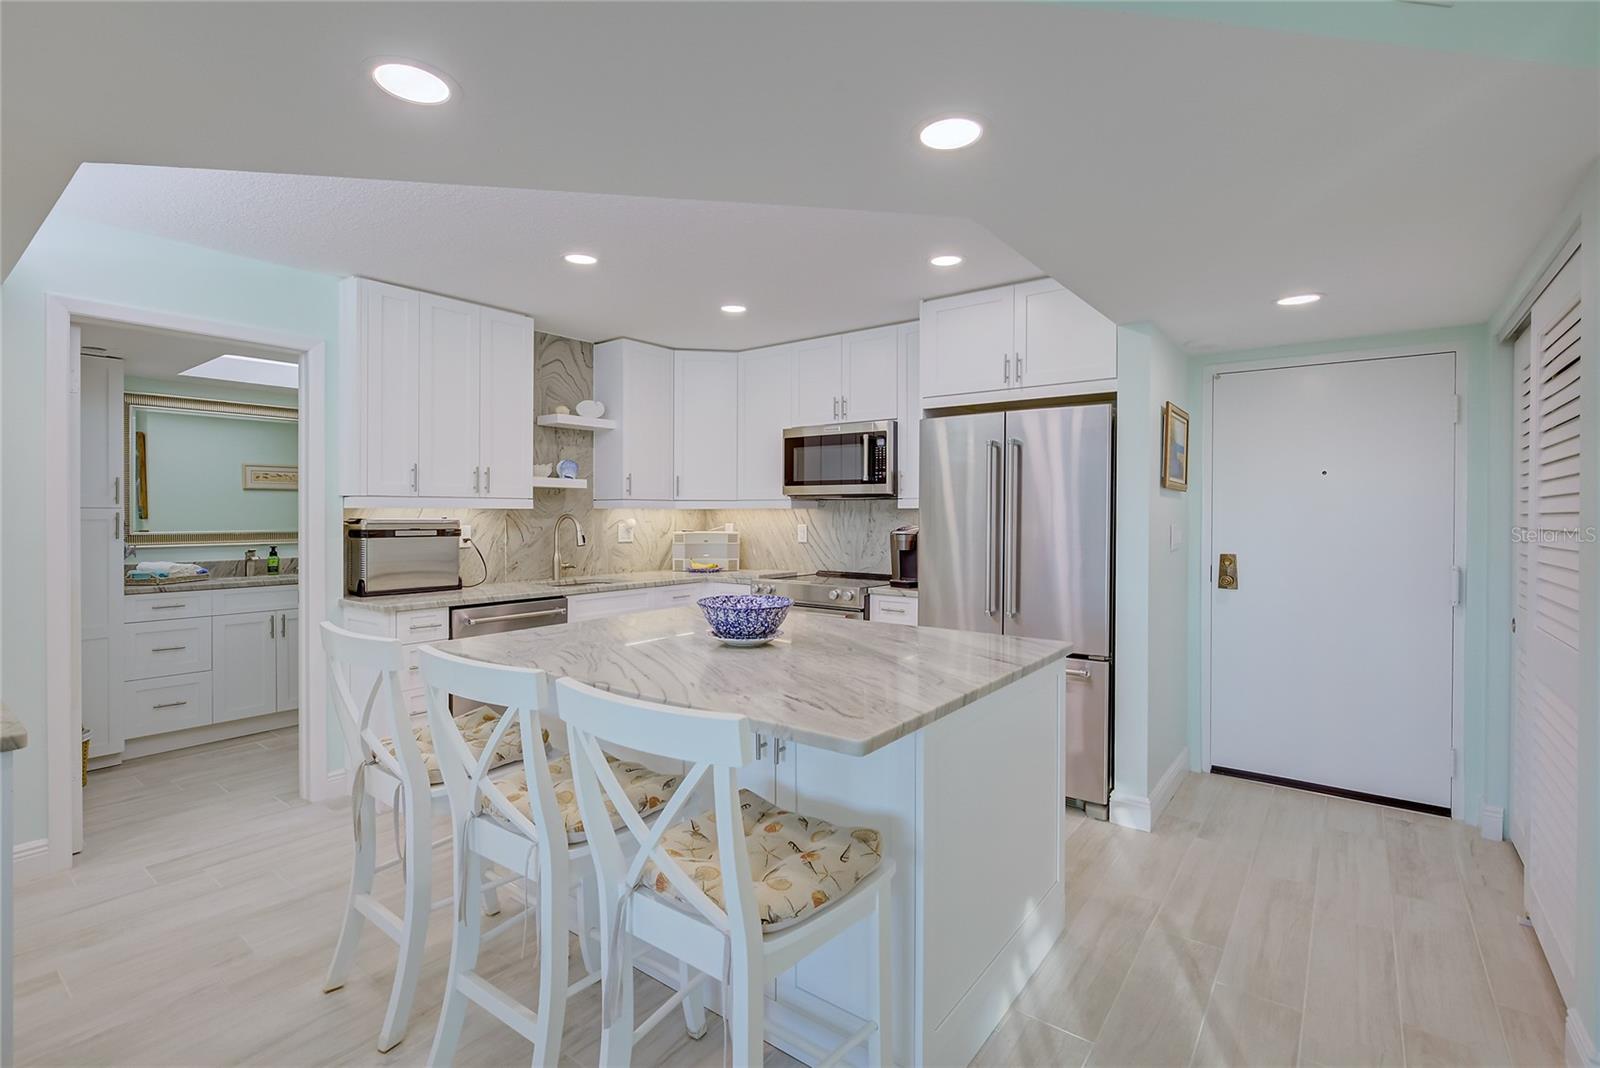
(903,557)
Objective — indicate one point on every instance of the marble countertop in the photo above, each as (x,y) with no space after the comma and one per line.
(221,582)
(838,684)
(893,591)
(491,592)
(13,735)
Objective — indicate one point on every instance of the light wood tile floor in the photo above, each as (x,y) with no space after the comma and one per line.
(1255,926)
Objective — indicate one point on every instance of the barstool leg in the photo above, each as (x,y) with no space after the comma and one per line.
(880,1045)
(361,878)
(553,954)
(464,941)
(747,1009)
(616,1038)
(414,925)
(694,1003)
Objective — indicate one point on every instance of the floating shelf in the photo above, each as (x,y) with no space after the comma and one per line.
(577,422)
(560,483)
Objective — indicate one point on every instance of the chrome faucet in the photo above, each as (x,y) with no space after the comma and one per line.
(556,566)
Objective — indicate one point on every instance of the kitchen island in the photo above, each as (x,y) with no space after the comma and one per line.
(947,742)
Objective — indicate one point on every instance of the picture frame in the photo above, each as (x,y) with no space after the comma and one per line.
(271,477)
(1174,448)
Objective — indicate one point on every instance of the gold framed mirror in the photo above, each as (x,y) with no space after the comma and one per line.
(207,472)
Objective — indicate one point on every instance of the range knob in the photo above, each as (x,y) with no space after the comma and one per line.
(849,595)
(833,595)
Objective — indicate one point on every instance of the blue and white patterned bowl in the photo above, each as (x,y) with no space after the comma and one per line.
(740,615)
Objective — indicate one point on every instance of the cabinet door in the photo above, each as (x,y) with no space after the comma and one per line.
(599,605)
(447,463)
(506,434)
(871,374)
(766,407)
(706,430)
(100,431)
(761,775)
(1059,338)
(389,358)
(648,431)
(909,444)
(966,343)
(288,661)
(244,666)
(100,670)
(818,380)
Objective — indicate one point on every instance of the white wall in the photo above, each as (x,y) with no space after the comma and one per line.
(74,258)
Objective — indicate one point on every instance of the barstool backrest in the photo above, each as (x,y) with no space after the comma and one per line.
(715,745)
(372,667)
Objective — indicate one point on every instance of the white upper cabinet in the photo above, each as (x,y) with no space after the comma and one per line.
(438,394)
(707,426)
(634,464)
(100,430)
(818,380)
(871,388)
(766,407)
(1060,339)
(505,434)
(448,459)
(1036,339)
(909,445)
(966,343)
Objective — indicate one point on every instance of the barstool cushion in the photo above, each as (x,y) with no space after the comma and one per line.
(476,727)
(799,865)
(649,790)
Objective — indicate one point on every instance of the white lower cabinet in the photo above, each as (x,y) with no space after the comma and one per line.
(245,676)
(621,602)
(893,609)
(156,706)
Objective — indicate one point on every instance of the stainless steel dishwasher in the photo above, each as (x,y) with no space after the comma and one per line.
(472,621)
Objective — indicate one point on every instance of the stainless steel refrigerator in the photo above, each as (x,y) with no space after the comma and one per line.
(1016,539)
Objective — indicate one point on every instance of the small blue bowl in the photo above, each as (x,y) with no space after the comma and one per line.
(739,615)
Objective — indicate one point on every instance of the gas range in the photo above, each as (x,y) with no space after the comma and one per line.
(841,592)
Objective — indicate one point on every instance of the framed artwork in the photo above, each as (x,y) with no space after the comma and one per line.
(1174,447)
(271,477)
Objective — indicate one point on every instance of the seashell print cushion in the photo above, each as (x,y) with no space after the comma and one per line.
(477,727)
(799,865)
(648,790)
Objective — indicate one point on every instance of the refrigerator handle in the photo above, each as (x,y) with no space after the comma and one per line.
(991,582)
(1014,520)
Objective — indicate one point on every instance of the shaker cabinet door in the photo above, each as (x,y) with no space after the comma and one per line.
(506,430)
(244,666)
(766,407)
(389,354)
(1059,338)
(448,464)
(288,661)
(818,380)
(707,426)
(871,374)
(966,343)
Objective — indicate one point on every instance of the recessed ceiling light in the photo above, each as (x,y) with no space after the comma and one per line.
(411,83)
(734,309)
(945,261)
(251,370)
(582,259)
(1299,298)
(954,132)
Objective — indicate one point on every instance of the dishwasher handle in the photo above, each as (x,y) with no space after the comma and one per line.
(543,613)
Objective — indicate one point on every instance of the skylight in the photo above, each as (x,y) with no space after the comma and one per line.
(249,370)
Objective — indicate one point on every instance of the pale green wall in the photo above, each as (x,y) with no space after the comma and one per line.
(193,477)
(1485,387)
(79,259)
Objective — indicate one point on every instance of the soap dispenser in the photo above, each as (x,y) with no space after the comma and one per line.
(272,559)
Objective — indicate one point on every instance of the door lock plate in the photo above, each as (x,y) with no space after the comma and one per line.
(1227,571)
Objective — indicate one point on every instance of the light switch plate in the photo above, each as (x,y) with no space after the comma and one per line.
(1174,537)
(800,533)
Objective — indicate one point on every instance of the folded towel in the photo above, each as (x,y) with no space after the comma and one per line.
(165,569)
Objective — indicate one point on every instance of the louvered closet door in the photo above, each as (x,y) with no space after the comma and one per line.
(1549,691)
(1522,507)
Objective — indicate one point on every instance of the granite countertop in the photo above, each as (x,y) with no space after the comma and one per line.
(893,591)
(819,684)
(13,735)
(220,582)
(491,592)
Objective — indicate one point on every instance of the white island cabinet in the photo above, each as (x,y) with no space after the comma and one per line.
(947,743)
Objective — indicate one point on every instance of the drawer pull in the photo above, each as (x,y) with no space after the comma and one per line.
(168,607)
(170,704)
(425,626)
(169,648)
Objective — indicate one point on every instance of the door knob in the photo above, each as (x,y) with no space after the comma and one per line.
(1227,571)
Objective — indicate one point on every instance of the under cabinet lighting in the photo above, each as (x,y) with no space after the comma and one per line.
(249,370)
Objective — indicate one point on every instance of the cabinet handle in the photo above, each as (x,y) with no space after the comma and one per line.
(116,527)
(844,407)
(170,704)
(475,488)
(169,648)
(283,625)
(486,479)
(1007,358)
(627,484)
(777,750)
(424,626)
(116,489)
(677,485)
(413,478)
(272,627)
(1018,359)
(836,407)
(761,746)
(169,607)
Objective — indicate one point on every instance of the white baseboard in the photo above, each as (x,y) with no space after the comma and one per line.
(335,786)
(1579,1051)
(1141,813)
(1492,823)
(30,859)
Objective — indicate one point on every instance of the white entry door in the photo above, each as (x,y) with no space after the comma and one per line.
(1333,486)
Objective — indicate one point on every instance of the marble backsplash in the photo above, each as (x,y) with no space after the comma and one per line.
(517,544)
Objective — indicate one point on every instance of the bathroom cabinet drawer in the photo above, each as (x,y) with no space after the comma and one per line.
(257,599)
(427,625)
(144,607)
(155,706)
(158,649)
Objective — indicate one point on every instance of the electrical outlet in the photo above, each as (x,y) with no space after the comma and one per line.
(466,533)
(800,533)
(624,534)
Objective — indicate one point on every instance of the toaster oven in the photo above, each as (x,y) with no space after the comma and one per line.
(401,556)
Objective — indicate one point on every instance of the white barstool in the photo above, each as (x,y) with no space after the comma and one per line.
(387,766)
(690,890)
(526,823)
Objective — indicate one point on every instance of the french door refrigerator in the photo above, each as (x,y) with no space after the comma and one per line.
(1016,539)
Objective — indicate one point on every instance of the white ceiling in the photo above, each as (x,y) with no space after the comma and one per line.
(150,353)
(1174,170)
(666,266)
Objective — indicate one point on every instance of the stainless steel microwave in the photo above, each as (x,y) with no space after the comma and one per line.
(840,460)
